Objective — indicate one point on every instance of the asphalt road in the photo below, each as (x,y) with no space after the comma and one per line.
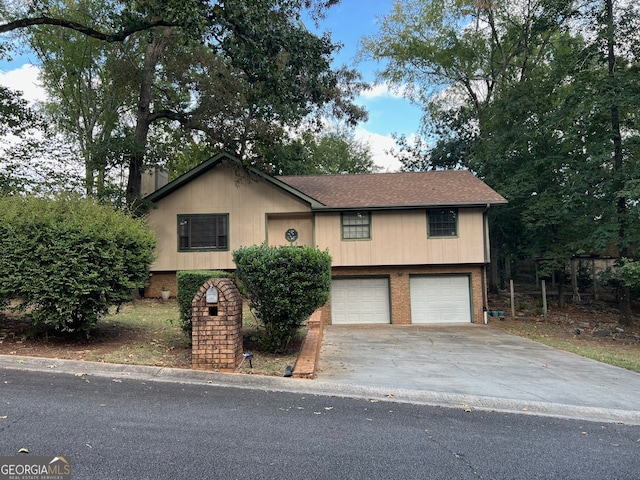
(132,429)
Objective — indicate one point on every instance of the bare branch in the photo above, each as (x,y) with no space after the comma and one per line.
(84,29)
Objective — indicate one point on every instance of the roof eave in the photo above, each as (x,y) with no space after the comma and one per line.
(335,208)
(315,204)
(188,176)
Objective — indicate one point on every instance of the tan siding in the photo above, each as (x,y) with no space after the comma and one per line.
(217,191)
(400,238)
(278,224)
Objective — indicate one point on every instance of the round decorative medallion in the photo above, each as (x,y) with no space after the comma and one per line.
(291,235)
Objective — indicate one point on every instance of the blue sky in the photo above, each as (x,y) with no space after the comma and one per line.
(348,23)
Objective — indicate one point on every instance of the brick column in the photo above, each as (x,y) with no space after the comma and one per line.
(217,327)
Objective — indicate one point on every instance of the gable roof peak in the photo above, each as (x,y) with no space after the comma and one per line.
(216,160)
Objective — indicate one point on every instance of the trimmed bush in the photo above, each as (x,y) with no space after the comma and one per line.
(189,282)
(284,285)
(70,259)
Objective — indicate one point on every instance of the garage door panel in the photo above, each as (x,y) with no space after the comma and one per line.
(440,299)
(360,301)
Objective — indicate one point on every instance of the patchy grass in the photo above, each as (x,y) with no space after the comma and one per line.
(624,358)
(144,332)
(155,337)
(580,330)
(140,333)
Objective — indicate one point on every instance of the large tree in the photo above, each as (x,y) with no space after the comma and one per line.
(538,99)
(455,58)
(456,55)
(272,70)
(72,23)
(89,91)
(242,72)
(614,50)
(334,151)
(21,140)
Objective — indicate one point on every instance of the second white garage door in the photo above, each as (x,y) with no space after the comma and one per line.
(440,299)
(360,301)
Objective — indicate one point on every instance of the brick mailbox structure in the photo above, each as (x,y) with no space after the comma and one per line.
(216,326)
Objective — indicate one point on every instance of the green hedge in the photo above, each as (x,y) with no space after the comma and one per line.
(285,285)
(69,259)
(189,282)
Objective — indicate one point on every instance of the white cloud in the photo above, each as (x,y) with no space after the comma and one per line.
(25,79)
(383,90)
(379,144)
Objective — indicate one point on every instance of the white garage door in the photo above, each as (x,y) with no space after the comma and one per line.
(440,299)
(360,301)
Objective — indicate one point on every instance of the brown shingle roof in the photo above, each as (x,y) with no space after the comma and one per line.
(380,190)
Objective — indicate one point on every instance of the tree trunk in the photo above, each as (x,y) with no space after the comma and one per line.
(494,278)
(561,302)
(624,298)
(624,294)
(152,56)
(88,178)
(507,268)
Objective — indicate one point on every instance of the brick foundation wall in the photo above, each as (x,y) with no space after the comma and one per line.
(160,280)
(398,282)
(399,276)
(217,339)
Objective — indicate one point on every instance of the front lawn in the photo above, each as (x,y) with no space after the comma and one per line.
(143,332)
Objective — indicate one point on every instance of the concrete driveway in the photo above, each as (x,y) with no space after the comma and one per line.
(476,366)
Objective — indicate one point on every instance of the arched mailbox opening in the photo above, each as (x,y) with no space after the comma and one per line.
(212,301)
(216,318)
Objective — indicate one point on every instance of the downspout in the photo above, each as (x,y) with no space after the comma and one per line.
(485,239)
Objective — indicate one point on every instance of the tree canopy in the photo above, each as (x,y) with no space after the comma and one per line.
(538,98)
(332,152)
(132,81)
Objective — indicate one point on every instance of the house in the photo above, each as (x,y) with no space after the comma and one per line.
(405,247)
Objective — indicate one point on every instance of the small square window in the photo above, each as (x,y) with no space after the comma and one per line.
(356,225)
(203,232)
(443,222)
